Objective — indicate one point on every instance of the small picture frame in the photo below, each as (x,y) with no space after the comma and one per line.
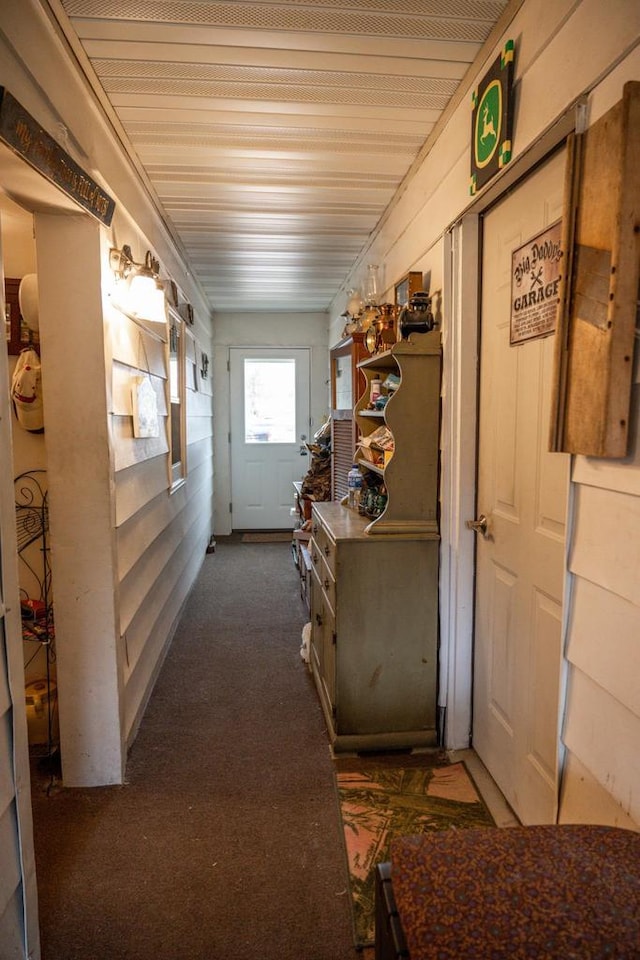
(405,288)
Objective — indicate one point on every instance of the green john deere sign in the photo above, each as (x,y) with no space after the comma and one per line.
(491,120)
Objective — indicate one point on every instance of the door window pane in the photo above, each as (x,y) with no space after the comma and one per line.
(269,401)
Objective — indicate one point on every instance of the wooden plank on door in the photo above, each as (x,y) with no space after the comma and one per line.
(594,357)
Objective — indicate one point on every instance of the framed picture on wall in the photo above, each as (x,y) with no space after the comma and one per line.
(410,284)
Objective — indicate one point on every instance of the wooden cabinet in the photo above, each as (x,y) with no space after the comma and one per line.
(374,580)
(412,414)
(347,383)
(374,613)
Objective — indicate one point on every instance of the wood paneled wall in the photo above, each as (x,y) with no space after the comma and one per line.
(602,720)
(161,535)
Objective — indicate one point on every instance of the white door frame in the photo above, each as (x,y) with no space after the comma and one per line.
(460,383)
(303,395)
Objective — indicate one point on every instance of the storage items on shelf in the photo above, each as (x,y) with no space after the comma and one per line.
(399,432)
(316,484)
(354,483)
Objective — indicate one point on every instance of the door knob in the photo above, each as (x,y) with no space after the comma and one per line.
(481,525)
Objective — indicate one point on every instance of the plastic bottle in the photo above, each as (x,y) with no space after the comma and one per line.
(376,390)
(354,486)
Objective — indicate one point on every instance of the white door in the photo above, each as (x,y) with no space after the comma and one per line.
(522,491)
(269,425)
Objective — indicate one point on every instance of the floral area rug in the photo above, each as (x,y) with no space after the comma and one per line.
(382,802)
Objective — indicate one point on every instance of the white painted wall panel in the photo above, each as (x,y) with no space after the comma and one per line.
(10,879)
(200,453)
(137,484)
(584,800)
(606,540)
(604,736)
(198,429)
(121,386)
(621,475)
(186,565)
(161,531)
(128,449)
(11,927)
(604,641)
(199,404)
(143,529)
(592,38)
(133,347)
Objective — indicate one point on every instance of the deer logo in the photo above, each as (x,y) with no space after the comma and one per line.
(488,126)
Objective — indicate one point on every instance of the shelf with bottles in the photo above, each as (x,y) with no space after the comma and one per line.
(402,394)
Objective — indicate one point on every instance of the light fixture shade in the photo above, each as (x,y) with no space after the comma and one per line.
(141,293)
(145,299)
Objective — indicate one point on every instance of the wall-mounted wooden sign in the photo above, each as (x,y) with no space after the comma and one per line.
(25,136)
(492,119)
(535,282)
(599,290)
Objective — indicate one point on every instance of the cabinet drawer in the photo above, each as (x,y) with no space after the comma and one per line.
(323,573)
(326,548)
(328,583)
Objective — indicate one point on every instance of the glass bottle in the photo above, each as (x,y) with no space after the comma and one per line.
(371,296)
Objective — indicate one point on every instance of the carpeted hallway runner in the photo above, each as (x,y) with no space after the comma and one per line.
(225,841)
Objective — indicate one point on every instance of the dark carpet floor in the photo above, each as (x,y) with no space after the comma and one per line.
(225,842)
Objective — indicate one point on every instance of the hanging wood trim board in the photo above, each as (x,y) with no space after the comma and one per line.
(598,302)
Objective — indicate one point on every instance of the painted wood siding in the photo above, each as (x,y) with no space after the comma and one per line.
(161,536)
(602,722)
(565,50)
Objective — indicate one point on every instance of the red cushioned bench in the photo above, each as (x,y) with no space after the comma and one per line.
(546,892)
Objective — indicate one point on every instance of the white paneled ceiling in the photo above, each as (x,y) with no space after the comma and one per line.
(275,134)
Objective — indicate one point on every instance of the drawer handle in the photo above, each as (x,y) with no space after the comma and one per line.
(327,551)
(314,557)
(318,619)
(326,583)
(315,528)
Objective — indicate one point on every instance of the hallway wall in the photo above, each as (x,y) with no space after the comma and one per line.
(160,538)
(564,50)
(148,542)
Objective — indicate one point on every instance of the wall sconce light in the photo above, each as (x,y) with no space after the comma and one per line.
(144,296)
(123,264)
